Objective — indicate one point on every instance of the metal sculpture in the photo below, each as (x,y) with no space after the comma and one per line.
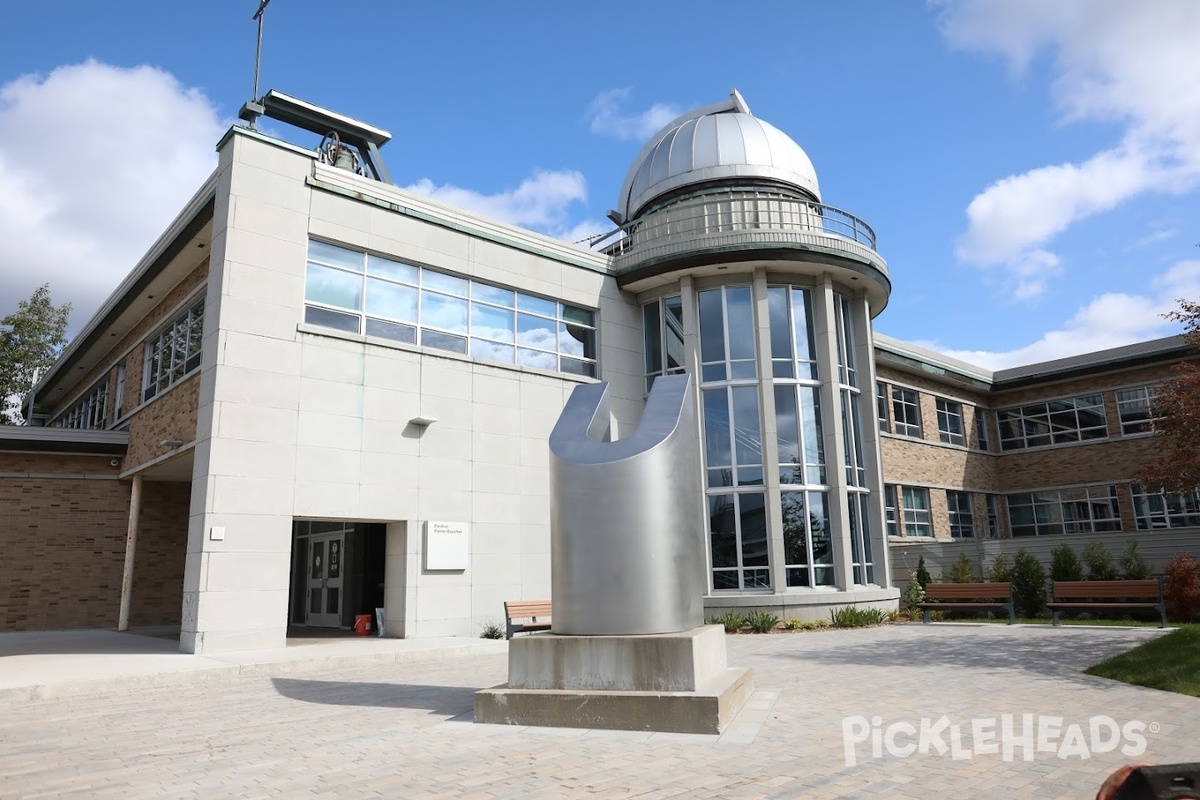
(626,532)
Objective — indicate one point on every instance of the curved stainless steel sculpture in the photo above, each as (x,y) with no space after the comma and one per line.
(626,548)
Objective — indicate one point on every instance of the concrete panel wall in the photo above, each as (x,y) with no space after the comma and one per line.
(301,422)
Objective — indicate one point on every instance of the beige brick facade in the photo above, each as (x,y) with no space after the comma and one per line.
(63,544)
(928,462)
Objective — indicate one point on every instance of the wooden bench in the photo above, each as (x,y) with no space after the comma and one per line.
(1106,594)
(967,595)
(536,612)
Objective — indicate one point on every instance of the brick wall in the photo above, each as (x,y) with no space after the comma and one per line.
(133,361)
(161,549)
(172,415)
(63,520)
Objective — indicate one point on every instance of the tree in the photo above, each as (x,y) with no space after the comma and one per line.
(923,576)
(1065,564)
(1028,584)
(1177,412)
(1099,562)
(961,571)
(1133,566)
(30,340)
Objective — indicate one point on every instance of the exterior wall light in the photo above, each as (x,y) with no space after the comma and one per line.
(171,443)
(422,421)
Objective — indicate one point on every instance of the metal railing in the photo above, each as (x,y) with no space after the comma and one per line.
(734,212)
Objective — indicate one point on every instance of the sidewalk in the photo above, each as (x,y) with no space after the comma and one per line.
(46,664)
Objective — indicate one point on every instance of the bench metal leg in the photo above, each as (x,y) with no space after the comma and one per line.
(1054,617)
(924,616)
(1162,610)
(508,629)
(1012,614)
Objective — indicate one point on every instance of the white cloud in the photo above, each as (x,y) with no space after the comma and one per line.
(541,202)
(607,118)
(1129,63)
(95,160)
(1110,320)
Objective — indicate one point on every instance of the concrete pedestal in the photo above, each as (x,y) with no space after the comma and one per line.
(676,682)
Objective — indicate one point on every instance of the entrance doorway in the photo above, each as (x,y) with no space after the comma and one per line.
(325,593)
(337,574)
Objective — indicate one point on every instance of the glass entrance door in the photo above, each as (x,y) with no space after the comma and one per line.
(324,608)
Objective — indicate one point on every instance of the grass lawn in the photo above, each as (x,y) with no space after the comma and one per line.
(1170,662)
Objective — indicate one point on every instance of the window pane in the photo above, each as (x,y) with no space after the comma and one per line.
(331,319)
(330,254)
(791,467)
(580,316)
(333,287)
(716,428)
(748,439)
(781,336)
(493,294)
(492,351)
(537,305)
(651,326)
(795,528)
(441,282)
(444,341)
(391,330)
(489,322)
(391,300)
(536,358)
(393,269)
(576,340)
(802,323)
(673,329)
(712,327)
(577,367)
(537,332)
(440,311)
(741,322)
(753,518)
(722,523)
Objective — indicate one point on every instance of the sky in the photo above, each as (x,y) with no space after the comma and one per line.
(1031,169)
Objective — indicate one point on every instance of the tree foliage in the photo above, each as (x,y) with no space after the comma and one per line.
(1028,584)
(1177,408)
(30,340)
(1099,562)
(1065,564)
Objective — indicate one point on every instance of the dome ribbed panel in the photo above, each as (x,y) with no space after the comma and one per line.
(729,137)
(714,147)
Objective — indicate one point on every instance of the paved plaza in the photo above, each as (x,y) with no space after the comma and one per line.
(381,726)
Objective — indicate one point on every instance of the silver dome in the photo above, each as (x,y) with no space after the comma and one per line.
(717,142)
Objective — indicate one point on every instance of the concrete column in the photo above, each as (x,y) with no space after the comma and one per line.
(864,357)
(770,433)
(691,362)
(824,330)
(395,581)
(131,532)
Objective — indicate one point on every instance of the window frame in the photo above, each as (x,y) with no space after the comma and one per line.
(916,518)
(947,412)
(1138,425)
(158,375)
(430,288)
(1034,424)
(903,427)
(961,512)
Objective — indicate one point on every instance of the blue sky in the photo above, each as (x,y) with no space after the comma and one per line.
(1031,169)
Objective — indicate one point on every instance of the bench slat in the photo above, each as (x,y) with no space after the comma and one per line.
(957,591)
(1107,589)
(536,611)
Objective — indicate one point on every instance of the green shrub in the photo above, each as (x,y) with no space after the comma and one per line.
(1065,564)
(961,571)
(913,593)
(1099,562)
(1181,588)
(792,624)
(492,630)
(1001,570)
(816,625)
(761,621)
(854,617)
(1028,584)
(732,622)
(1133,567)
(923,576)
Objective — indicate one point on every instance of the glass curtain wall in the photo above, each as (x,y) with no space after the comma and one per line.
(735,380)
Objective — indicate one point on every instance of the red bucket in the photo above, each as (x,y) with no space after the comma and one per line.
(362,625)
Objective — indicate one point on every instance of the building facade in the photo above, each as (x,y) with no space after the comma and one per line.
(318,395)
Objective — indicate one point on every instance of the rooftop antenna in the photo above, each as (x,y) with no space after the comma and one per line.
(254,106)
